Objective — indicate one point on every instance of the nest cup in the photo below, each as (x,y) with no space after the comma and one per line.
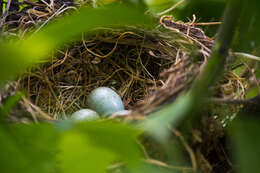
(147,69)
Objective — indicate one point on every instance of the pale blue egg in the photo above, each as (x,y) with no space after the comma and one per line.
(84,114)
(105,101)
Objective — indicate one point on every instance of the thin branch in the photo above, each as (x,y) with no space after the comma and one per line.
(206,23)
(216,62)
(187,147)
(165,165)
(186,104)
(246,55)
(171,8)
(3,17)
(53,15)
(1,7)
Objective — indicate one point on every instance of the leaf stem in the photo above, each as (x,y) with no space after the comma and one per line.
(187,103)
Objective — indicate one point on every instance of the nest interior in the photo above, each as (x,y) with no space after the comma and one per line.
(145,68)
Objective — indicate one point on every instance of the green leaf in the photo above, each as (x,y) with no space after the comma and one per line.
(10,103)
(188,103)
(205,10)
(118,137)
(16,57)
(253,92)
(28,148)
(12,159)
(159,5)
(169,114)
(79,155)
(248,37)
(98,143)
(245,138)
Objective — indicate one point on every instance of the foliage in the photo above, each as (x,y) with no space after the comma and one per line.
(34,48)
(244,133)
(32,147)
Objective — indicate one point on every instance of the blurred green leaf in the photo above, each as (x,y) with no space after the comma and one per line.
(79,155)
(252,92)
(245,136)
(18,56)
(169,114)
(187,104)
(10,103)
(158,2)
(205,10)
(87,146)
(99,143)
(248,37)
(157,6)
(12,160)
(28,148)
(148,168)
(118,137)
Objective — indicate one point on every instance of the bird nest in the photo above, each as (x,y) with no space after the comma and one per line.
(146,68)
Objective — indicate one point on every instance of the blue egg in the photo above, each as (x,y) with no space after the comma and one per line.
(84,114)
(105,101)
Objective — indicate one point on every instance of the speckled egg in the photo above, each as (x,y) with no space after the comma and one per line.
(105,101)
(84,114)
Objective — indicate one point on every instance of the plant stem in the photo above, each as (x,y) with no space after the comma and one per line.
(186,104)
(216,62)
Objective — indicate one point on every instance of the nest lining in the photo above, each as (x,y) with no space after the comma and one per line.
(145,68)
